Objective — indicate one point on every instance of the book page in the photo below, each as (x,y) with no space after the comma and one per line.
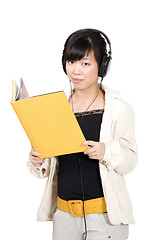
(19,93)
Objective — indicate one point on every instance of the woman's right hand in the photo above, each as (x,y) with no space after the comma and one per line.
(34,158)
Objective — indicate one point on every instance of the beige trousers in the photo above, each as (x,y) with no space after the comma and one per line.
(66,227)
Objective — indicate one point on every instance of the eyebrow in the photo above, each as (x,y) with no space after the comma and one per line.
(86,58)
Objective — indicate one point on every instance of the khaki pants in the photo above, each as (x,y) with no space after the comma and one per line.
(66,227)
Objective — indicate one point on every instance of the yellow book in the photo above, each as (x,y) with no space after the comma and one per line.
(48,121)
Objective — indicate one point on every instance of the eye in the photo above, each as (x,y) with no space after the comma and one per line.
(71,62)
(85,64)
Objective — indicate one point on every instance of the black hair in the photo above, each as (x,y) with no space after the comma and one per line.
(80,43)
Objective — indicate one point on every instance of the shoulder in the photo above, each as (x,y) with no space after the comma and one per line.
(122,106)
(114,101)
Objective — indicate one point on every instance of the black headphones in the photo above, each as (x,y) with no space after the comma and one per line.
(105,64)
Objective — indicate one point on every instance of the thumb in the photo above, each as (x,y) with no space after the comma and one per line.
(89,143)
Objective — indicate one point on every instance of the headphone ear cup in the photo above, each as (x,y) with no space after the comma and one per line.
(104,67)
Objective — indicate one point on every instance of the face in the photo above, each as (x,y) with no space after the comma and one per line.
(83,73)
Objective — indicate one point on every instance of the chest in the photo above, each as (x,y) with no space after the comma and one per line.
(90,123)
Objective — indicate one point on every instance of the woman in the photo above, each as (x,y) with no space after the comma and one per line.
(85,195)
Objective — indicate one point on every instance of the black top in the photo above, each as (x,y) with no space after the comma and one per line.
(69,179)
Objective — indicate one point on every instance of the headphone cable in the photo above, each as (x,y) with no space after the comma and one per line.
(80,166)
(83,197)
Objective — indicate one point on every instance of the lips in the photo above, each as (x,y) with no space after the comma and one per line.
(77,80)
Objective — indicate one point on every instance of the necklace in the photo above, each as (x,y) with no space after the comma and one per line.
(90,103)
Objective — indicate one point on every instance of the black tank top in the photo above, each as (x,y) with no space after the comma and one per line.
(69,180)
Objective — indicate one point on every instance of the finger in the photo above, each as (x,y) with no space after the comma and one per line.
(36,154)
(38,164)
(37,159)
(94,158)
(89,151)
(89,142)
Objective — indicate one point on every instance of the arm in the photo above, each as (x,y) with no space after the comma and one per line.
(121,153)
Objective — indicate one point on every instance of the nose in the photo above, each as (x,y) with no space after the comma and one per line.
(76,68)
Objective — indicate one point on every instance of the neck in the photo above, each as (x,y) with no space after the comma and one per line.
(83,101)
(86,95)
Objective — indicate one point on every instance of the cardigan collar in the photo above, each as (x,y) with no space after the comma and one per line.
(108,91)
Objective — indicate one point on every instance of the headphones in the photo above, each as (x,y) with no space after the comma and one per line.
(105,64)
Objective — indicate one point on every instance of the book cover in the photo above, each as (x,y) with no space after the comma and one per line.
(49,123)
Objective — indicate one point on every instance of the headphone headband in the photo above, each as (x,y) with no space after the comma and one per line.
(107,39)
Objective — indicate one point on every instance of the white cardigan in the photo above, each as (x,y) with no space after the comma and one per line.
(117,132)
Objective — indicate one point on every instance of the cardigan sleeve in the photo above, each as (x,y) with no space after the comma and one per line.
(121,153)
(40,171)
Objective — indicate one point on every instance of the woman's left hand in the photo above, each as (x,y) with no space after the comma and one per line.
(96,151)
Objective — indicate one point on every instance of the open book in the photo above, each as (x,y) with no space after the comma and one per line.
(48,121)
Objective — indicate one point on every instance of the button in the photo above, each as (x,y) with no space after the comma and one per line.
(103,161)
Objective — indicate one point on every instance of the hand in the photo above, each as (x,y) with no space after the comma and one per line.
(34,158)
(96,151)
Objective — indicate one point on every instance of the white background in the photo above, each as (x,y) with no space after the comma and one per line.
(32,36)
